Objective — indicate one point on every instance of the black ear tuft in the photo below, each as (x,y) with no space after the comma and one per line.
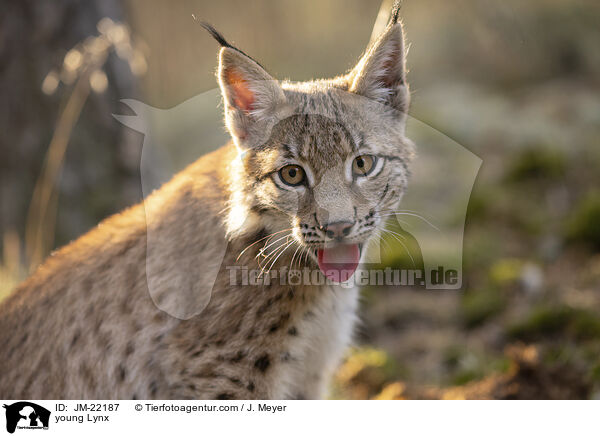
(221,39)
(215,34)
(395,14)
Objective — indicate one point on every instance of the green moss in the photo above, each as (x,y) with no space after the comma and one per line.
(465,365)
(478,306)
(466,376)
(452,356)
(501,365)
(552,321)
(557,354)
(479,204)
(595,373)
(482,247)
(535,163)
(582,227)
(506,271)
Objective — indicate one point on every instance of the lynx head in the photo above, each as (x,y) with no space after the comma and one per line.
(325,158)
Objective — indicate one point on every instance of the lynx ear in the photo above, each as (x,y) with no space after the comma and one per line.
(251,95)
(381,73)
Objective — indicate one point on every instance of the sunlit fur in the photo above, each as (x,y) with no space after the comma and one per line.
(116,314)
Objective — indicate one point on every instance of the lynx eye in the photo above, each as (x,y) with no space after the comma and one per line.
(363,165)
(292,175)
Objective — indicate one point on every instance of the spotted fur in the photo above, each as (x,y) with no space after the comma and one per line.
(84,325)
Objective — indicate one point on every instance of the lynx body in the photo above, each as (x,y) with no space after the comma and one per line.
(306,181)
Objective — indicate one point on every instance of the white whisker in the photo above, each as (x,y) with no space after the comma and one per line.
(279,255)
(294,256)
(264,249)
(267,258)
(261,239)
(403,245)
(409,213)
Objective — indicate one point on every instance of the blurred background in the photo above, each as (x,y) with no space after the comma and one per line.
(517,83)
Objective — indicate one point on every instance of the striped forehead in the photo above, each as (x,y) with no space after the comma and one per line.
(317,140)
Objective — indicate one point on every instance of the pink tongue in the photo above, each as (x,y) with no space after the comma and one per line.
(339,262)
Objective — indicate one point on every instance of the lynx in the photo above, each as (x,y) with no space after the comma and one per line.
(306,181)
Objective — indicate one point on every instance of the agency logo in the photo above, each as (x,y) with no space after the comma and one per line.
(26,415)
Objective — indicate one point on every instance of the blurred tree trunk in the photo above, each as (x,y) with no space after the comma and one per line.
(100,172)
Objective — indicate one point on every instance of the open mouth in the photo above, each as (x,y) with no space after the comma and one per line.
(339,262)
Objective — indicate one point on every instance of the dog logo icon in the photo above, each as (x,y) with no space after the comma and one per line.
(26,415)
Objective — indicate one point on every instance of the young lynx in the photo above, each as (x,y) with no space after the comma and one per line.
(310,172)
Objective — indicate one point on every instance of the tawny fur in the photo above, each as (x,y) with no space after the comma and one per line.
(88,323)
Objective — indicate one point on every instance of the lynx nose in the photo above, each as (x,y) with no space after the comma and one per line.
(337,230)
